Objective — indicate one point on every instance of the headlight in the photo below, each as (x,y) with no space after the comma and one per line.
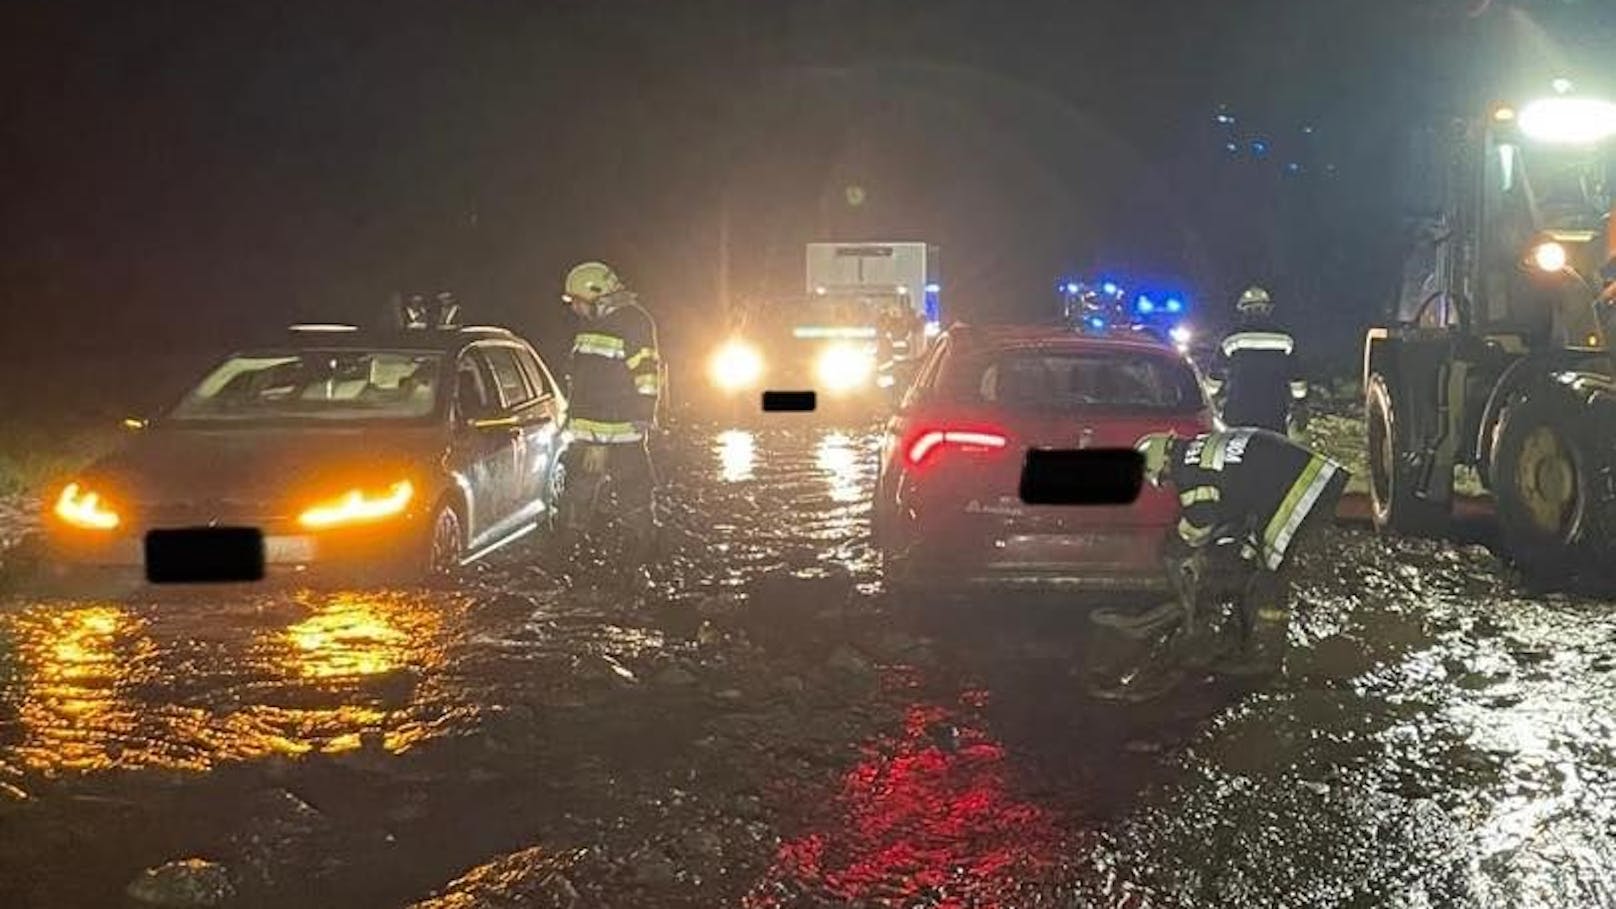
(1550,257)
(357,506)
(1181,335)
(737,365)
(83,508)
(841,368)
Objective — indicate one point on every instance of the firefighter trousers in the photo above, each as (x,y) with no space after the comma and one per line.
(611,480)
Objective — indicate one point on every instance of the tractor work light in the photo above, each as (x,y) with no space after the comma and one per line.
(1550,257)
(1568,120)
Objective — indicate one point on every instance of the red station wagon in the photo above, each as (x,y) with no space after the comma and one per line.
(948,512)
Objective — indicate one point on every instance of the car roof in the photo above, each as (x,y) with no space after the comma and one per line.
(326,336)
(1053,335)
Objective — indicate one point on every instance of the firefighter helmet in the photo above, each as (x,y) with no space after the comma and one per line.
(1255,302)
(590,281)
(1155,447)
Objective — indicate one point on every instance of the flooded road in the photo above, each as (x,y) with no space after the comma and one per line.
(764,730)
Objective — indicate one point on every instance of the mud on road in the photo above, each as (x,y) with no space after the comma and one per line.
(763,729)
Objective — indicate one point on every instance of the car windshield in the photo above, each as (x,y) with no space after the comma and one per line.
(1570,187)
(1058,380)
(316,385)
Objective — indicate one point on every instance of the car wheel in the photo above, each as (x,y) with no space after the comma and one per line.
(1393,502)
(1541,476)
(556,495)
(446,541)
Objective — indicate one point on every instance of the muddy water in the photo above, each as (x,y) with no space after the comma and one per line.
(763,730)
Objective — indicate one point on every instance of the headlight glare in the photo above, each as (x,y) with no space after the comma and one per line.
(358,506)
(82,507)
(844,367)
(736,365)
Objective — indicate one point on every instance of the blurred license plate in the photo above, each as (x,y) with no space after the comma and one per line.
(280,550)
(204,555)
(1068,548)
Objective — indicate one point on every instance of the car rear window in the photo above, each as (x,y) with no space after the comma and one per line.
(1044,379)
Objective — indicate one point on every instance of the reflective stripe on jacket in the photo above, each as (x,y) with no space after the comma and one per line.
(1256,368)
(1250,484)
(615,373)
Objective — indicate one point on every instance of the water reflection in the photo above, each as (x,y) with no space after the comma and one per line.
(838,456)
(78,665)
(928,819)
(191,684)
(352,635)
(737,452)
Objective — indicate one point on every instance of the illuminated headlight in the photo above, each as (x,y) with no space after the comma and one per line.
(736,365)
(1569,121)
(842,368)
(1181,336)
(82,507)
(1550,257)
(358,506)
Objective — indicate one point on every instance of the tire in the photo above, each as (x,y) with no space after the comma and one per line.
(445,543)
(1542,476)
(1393,503)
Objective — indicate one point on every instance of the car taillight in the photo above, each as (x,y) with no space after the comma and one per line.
(928,445)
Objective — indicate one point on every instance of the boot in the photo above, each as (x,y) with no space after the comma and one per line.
(1262,652)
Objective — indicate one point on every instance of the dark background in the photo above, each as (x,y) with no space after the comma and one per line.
(184,176)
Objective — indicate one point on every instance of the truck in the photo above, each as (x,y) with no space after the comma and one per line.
(1495,353)
(867,313)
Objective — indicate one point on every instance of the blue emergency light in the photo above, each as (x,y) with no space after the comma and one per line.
(1097,323)
(1174,304)
(1110,288)
(1145,305)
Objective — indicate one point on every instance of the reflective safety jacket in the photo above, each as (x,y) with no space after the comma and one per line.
(1257,373)
(1250,485)
(615,374)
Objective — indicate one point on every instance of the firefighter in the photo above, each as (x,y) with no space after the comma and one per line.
(1252,504)
(615,385)
(1255,370)
(419,310)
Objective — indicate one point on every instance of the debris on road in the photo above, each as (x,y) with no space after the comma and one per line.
(183,884)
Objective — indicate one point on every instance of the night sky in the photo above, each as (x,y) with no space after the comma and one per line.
(189,174)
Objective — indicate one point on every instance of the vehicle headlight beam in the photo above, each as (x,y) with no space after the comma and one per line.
(358,506)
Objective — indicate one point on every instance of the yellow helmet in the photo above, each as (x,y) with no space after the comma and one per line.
(1155,447)
(590,281)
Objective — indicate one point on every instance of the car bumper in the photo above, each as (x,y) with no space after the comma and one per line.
(1089,561)
(285,550)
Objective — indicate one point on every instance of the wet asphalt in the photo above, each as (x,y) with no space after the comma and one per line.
(763,728)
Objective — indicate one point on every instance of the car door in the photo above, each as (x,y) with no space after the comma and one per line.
(541,429)
(484,455)
(528,408)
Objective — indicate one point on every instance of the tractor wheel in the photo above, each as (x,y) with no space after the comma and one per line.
(1542,476)
(1393,502)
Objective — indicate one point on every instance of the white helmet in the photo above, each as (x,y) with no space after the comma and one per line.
(1255,302)
(590,281)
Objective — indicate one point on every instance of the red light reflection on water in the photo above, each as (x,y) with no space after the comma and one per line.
(925,815)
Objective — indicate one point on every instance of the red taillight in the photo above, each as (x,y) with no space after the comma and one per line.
(929,442)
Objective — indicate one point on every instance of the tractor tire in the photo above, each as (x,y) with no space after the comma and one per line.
(1543,478)
(1393,503)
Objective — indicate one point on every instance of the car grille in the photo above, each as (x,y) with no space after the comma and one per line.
(200,513)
